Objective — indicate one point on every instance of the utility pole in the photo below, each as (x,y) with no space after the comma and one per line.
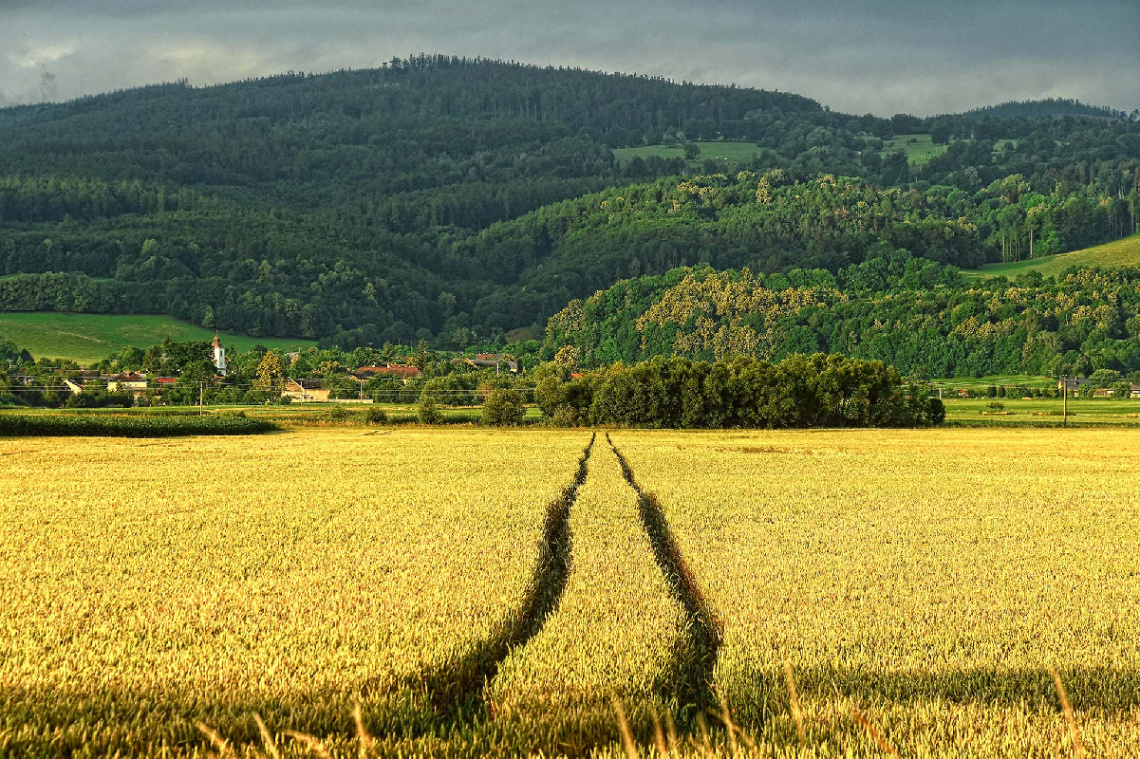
(1065,404)
(201,398)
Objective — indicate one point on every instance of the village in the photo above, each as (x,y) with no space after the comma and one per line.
(187,374)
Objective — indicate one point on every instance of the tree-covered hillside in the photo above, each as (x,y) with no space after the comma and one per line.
(908,312)
(457,199)
(1048,108)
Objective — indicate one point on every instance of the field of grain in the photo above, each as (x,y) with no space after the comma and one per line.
(469,592)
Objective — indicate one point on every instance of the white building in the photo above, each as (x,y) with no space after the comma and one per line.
(219,356)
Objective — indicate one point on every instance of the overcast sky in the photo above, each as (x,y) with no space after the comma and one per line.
(858,56)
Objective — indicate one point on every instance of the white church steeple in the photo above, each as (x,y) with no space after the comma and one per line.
(219,356)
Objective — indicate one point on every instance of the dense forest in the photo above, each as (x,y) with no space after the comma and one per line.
(459,200)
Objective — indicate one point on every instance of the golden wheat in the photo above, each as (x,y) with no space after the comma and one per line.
(928,581)
(329,592)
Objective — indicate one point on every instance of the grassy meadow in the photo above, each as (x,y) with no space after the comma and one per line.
(995,380)
(1042,412)
(338,591)
(1118,254)
(732,152)
(919,148)
(88,338)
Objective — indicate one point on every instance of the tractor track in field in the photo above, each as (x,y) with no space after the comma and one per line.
(689,676)
(455,688)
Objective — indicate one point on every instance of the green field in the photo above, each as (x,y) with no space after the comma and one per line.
(87,338)
(995,380)
(733,152)
(1042,411)
(919,148)
(1117,254)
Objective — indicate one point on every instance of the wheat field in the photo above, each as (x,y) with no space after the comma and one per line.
(465,592)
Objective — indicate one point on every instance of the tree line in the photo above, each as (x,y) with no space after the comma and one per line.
(744,392)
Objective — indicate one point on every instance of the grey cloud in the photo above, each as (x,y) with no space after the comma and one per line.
(859,56)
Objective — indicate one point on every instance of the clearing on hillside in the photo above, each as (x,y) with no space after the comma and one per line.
(732,152)
(88,338)
(919,148)
(1112,255)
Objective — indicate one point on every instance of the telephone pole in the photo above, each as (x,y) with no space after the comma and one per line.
(201,398)
(1065,404)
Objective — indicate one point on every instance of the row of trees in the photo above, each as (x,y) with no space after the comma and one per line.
(801,391)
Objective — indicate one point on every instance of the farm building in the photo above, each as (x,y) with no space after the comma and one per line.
(1108,392)
(1074,384)
(126,381)
(306,390)
(81,381)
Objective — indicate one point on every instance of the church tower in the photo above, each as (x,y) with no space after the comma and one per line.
(219,356)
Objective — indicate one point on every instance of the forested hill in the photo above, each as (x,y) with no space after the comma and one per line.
(908,312)
(1054,108)
(458,199)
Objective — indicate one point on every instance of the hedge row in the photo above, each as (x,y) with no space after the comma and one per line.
(43,425)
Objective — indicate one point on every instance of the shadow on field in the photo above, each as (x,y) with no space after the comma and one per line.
(760,703)
(106,721)
(455,687)
(688,678)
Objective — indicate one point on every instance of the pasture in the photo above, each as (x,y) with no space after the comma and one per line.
(88,338)
(347,592)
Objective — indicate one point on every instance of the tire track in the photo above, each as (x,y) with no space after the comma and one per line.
(689,677)
(455,687)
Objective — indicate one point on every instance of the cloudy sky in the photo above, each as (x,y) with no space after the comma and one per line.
(858,56)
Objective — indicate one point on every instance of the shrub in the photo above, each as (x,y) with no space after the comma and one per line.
(428,412)
(503,408)
(337,414)
(375,415)
(566,416)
